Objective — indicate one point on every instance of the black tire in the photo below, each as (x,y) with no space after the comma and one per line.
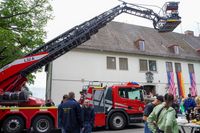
(117,121)
(13,124)
(42,124)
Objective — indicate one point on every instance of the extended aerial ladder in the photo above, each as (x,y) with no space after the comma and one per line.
(13,76)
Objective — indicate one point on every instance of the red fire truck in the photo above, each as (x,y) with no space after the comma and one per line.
(19,111)
(118,105)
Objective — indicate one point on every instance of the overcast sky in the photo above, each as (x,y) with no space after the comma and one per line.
(69,13)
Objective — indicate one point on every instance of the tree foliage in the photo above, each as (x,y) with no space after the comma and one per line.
(22,25)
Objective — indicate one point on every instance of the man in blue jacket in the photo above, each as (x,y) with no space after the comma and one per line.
(71,114)
(189,103)
(60,113)
(88,117)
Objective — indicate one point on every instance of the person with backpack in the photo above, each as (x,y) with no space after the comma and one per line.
(163,117)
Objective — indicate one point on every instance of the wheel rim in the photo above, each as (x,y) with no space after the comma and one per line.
(42,125)
(118,122)
(13,125)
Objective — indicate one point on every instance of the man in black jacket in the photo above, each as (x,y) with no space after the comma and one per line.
(88,117)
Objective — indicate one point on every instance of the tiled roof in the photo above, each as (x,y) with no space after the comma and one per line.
(120,37)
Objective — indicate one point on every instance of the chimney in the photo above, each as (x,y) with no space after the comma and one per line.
(189,32)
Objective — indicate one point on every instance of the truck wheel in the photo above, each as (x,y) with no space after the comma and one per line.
(117,121)
(42,124)
(13,124)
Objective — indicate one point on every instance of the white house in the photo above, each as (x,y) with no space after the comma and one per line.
(121,53)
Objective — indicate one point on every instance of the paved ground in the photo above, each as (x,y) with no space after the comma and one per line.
(137,128)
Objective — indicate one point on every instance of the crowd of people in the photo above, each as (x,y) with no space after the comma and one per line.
(160,115)
(74,118)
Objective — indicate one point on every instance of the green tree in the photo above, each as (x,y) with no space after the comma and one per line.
(22,25)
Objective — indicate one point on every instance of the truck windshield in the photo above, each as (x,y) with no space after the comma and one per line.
(131,93)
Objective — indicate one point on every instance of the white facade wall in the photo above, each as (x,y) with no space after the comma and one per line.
(76,68)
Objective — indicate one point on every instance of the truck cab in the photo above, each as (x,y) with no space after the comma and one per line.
(118,105)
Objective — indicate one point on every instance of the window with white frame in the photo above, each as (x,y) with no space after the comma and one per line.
(176,50)
(178,67)
(143,65)
(169,66)
(148,65)
(111,62)
(152,65)
(191,68)
(123,63)
(141,45)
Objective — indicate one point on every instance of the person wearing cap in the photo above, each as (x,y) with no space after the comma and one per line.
(148,109)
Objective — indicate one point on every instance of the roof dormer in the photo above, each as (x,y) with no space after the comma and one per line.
(140,44)
(174,48)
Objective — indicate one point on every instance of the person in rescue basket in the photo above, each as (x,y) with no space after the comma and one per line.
(87,117)
(60,120)
(71,115)
(148,109)
(162,119)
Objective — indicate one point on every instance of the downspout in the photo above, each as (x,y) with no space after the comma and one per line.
(48,80)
